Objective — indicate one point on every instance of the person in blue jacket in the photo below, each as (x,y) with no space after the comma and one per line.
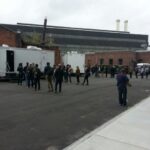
(122,82)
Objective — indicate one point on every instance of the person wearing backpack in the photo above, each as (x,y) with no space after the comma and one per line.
(48,71)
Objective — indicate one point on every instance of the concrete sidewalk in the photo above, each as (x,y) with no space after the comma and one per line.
(128,131)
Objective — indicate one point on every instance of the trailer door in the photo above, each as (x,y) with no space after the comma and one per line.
(10,60)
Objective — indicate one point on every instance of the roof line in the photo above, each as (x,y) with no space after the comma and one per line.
(3,26)
(73,28)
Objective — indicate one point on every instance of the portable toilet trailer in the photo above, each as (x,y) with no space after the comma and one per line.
(10,57)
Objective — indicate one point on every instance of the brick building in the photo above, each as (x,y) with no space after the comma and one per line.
(111,58)
(143,56)
(8,36)
(107,47)
(127,58)
(14,38)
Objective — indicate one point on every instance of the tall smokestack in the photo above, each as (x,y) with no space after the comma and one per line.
(44,32)
(126,25)
(118,25)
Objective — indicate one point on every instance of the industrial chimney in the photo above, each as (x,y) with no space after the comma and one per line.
(118,24)
(44,32)
(126,25)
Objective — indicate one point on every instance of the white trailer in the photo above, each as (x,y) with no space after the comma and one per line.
(10,57)
(139,65)
(74,59)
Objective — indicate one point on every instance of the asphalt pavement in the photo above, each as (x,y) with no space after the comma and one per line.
(44,120)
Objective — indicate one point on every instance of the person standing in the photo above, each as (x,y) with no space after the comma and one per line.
(86,76)
(112,71)
(48,71)
(30,75)
(142,72)
(65,74)
(146,72)
(20,73)
(70,73)
(136,72)
(122,82)
(58,78)
(96,70)
(130,72)
(37,75)
(25,69)
(106,71)
(78,74)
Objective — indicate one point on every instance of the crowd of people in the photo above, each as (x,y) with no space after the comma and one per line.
(57,74)
(104,70)
(60,73)
(31,74)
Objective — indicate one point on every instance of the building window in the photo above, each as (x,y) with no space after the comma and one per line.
(89,62)
(110,61)
(140,60)
(120,61)
(101,61)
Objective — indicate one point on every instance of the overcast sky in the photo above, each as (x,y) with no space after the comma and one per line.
(97,14)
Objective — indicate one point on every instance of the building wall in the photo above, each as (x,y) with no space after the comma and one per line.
(143,57)
(10,38)
(126,56)
(57,56)
(7,37)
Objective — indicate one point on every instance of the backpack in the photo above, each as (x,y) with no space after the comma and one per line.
(49,71)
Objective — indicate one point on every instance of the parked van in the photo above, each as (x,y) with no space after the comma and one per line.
(139,65)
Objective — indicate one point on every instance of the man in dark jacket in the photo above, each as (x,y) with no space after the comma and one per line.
(25,69)
(20,73)
(122,82)
(37,75)
(58,77)
(86,76)
(48,71)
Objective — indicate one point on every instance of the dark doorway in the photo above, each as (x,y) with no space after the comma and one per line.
(120,61)
(140,60)
(101,61)
(110,61)
(10,61)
